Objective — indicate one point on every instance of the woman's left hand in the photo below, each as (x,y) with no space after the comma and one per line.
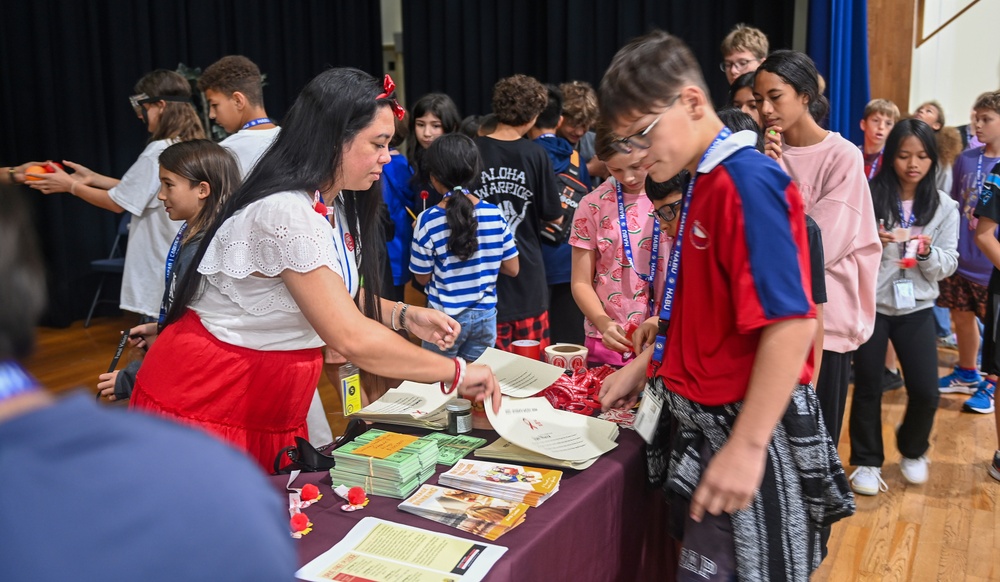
(432,326)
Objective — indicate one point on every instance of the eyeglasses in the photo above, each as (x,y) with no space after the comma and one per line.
(137,100)
(627,145)
(668,212)
(740,65)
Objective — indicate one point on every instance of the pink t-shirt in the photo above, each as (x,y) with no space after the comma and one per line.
(623,294)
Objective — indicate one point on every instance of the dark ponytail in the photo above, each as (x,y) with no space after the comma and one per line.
(453,160)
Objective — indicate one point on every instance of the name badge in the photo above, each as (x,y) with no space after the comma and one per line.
(647,419)
(903,291)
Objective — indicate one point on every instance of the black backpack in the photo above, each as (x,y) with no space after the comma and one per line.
(571,191)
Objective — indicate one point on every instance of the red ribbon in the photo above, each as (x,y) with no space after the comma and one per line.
(578,392)
(389,87)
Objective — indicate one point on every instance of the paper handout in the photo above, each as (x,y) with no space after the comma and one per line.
(410,404)
(389,552)
(533,424)
(519,376)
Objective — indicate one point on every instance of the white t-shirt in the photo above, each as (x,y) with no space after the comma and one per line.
(240,306)
(151,232)
(248,145)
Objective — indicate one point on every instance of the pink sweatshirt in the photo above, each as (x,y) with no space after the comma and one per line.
(834,187)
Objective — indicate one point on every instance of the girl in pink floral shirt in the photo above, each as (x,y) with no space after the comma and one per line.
(616,285)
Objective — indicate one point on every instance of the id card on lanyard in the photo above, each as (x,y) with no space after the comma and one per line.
(648,416)
(902,288)
(627,248)
(175,250)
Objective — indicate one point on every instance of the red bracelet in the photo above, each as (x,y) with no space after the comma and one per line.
(454,382)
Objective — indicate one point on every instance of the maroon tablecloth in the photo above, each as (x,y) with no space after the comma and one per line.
(605,523)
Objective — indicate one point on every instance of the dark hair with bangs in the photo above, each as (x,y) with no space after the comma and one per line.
(885,185)
(646,72)
(306,156)
(203,160)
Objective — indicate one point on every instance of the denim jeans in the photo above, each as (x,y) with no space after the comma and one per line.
(479,331)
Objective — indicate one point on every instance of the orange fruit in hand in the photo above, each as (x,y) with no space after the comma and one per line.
(35,170)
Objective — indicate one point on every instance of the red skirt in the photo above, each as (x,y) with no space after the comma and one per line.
(255,400)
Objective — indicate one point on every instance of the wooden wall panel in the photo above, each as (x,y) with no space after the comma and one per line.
(891,40)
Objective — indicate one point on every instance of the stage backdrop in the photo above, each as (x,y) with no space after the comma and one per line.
(462,48)
(70,66)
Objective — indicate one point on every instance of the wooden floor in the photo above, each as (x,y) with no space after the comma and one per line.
(947,529)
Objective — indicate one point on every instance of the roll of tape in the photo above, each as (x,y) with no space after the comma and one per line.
(570,357)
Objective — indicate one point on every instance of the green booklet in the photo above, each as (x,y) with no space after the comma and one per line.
(452,448)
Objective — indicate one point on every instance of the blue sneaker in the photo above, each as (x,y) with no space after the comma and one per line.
(982,401)
(960,381)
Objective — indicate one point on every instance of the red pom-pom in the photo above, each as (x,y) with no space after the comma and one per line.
(908,262)
(356,496)
(321,208)
(424,195)
(309,492)
(299,522)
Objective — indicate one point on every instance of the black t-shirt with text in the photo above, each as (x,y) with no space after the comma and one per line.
(518,178)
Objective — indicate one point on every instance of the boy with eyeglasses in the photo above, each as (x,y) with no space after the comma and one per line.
(743,50)
(740,446)
(619,254)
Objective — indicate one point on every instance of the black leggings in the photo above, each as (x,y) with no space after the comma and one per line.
(831,390)
(915,342)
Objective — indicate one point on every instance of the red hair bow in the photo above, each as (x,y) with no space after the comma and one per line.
(389,87)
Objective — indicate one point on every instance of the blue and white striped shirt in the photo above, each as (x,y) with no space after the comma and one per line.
(459,285)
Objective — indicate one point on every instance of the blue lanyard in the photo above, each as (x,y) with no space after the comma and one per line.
(979,172)
(674,264)
(255,122)
(903,223)
(14,380)
(627,246)
(175,250)
(876,163)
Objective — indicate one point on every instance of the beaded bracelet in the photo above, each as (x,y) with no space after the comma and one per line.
(402,317)
(392,318)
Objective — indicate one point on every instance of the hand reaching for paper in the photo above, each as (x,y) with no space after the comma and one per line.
(432,326)
(479,384)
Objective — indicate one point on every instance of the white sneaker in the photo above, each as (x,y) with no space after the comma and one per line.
(914,470)
(868,481)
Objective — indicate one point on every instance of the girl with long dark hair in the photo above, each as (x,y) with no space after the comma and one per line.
(283,270)
(460,247)
(432,116)
(829,173)
(914,217)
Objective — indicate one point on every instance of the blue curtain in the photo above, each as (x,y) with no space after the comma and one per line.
(838,42)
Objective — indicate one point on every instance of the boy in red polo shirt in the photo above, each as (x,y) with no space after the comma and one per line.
(740,442)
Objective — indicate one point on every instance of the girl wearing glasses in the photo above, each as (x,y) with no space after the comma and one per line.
(829,172)
(163,103)
(619,255)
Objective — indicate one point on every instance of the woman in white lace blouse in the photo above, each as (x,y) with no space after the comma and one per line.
(279,274)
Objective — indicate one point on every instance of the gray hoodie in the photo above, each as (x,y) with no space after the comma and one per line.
(942,262)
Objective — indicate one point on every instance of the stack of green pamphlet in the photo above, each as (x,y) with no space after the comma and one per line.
(385,463)
(452,448)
